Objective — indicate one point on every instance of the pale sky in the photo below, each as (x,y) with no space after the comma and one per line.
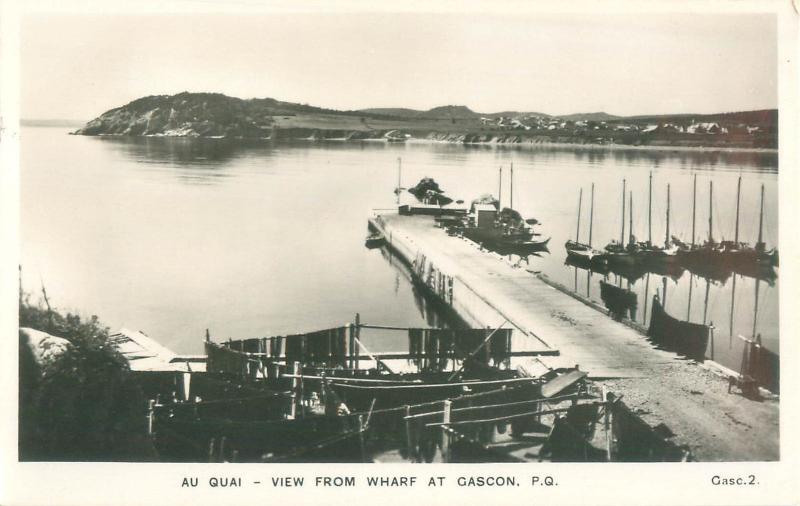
(78,66)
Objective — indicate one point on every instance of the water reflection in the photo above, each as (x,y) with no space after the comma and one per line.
(272,237)
(178,151)
(435,314)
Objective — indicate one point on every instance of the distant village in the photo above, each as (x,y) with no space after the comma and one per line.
(583,127)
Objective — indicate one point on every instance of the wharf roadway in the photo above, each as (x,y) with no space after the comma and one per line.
(661,387)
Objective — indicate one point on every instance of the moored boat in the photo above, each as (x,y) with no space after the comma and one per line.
(580,252)
(374,240)
(686,338)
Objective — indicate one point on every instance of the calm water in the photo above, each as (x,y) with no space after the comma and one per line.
(173,236)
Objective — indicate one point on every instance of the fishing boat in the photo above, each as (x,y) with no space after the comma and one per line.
(619,301)
(686,338)
(733,255)
(428,191)
(503,229)
(649,252)
(584,253)
(741,254)
(618,253)
(395,136)
(374,240)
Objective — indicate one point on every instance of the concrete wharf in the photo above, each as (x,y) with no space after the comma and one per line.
(485,289)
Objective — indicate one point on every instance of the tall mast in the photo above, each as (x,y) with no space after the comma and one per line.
(578,228)
(591,216)
(399,177)
(650,210)
(738,194)
(646,297)
(622,233)
(500,188)
(755,312)
(511,189)
(761,217)
(666,236)
(710,211)
(733,303)
(694,207)
(630,219)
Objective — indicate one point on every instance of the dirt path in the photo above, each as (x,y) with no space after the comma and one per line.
(695,404)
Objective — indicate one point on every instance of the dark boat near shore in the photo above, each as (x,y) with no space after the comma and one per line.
(686,338)
(619,301)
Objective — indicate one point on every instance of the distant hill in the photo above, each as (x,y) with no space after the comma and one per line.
(763,117)
(445,112)
(198,115)
(516,114)
(217,115)
(441,112)
(590,116)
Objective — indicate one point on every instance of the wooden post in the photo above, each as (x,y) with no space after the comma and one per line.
(711,329)
(409,440)
(302,395)
(357,335)
(350,345)
(151,408)
(487,344)
(295,390)
(607,423)
(211,445)
(361,438)
(222,448)
(446,431)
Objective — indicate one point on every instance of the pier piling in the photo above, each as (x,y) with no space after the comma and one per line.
(446,430)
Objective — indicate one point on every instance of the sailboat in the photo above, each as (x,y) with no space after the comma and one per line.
(399,189)
(710,252)
(617,253)
(583,252)
(650,252)
(731,255)
(741,254)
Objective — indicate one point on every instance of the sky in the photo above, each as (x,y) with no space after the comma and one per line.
(76,66)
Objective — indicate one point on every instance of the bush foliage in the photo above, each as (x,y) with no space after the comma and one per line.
(82,404)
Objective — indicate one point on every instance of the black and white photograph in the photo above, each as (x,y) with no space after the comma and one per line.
(280,233)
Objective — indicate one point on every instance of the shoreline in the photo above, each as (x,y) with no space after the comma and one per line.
(605,147)
(526,145)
